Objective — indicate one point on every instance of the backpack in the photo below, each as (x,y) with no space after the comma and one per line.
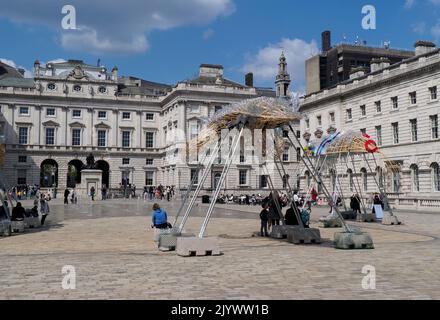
(305,217)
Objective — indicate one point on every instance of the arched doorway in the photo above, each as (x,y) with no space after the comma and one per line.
(105,167)
(49,173)
(74,173)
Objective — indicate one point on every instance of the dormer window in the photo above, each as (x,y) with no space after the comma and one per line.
(77,88)
(51,86)
(102,89)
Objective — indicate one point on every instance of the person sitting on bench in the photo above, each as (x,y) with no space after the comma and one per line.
(18,213)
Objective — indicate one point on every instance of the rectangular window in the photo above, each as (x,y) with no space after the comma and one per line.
(126,139)
(76,114)
(150,116)
(76,137)
(349,114)
(433,93)
(242,177)
(149,178)
(363,111)
(396,182)
(395,126)
(125,160)
(102,114)
(379,135)
(21,176)
(285,134)
(378,105)
(434,126)
(126,115)
(308,124)
(149,162)
(194,131)
(102,141)
(23,135)
(24,111)
(50,112)
(194,176)
(298,134)
(395,102)
(298,154)
(286,154)
(332,117)
(22,159)
(413,97)
(50,136)
(413,124)
(149,136)
(263,181)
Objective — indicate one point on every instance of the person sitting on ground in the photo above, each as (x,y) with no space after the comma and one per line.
(34,211)
(264,220)
(159,217)
(18,212)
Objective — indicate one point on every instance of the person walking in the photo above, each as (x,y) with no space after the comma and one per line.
(44,207)
(92,193)
(66,196)
(264,220)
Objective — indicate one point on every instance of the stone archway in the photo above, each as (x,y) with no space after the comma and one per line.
(49,173)
(74,168)
(105,168)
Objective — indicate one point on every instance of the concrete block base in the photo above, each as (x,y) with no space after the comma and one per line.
(331,222)
(17,226)
(279,232)
(369,217)
(348,215)
(299,235)
(390,220)
(351,241)
(168,242)
(195,246)
(33,222)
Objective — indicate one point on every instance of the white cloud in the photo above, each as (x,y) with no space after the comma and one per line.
(207,34)
(419,28)
(435,31)
(115,26)
(59,60)
(264,64)
(409,4)
(11,63)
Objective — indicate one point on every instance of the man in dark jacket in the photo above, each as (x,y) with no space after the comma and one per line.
(18,213)
(264,219)
(66,196)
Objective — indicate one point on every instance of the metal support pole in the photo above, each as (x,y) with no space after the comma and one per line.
(318,179)
(357,182)
(190,186)
(219,186)
(199,187)
(275,197)
(381,190)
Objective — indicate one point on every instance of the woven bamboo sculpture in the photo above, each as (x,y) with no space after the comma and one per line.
(258,113)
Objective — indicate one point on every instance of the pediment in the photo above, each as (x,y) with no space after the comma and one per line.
(50,123)
(77,124)
(102,125)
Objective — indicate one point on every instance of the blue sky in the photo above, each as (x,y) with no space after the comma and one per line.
(165,41)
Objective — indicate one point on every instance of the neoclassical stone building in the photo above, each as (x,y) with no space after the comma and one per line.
(398,105)
(137,130)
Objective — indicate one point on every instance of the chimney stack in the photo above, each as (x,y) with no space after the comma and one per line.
(115,74)
(423,47)
(249,79)
(22,71)
(326,41)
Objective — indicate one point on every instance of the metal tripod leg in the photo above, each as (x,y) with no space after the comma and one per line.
(199,187)
(219,186)
(190,186)
(318,179)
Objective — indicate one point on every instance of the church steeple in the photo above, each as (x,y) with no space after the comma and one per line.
(282,81)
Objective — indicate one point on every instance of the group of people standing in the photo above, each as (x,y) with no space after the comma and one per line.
(272,212)
(159,193)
